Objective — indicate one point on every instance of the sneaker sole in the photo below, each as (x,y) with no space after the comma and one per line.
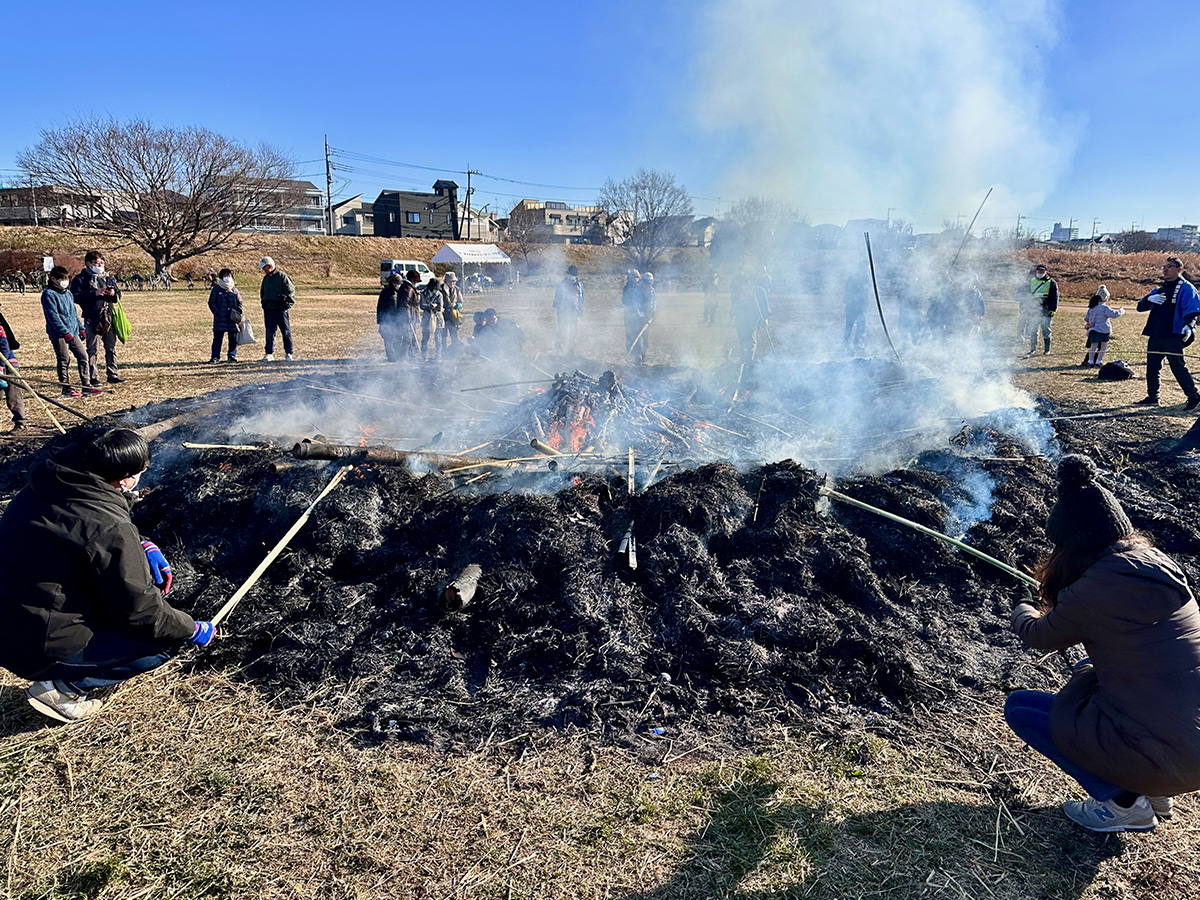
(49,711)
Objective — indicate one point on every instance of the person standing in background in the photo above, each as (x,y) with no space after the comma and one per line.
(95,291)
(392,318)
(452,310)
(278,295)
(65,331)
(225,303)
(1043,304)
(1174,307)
(568,301)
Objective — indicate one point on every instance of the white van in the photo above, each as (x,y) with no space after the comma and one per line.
(402,266)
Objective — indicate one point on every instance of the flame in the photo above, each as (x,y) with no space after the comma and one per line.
(368,431)
(570,435)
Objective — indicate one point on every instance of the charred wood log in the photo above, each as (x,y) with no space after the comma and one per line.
(459,592)
(150,432)
(389,457)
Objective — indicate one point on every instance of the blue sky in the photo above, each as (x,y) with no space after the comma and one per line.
(1075,109)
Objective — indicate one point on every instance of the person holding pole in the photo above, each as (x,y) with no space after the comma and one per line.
(1126,726)
(1174,307)
(84,605)
(568,301)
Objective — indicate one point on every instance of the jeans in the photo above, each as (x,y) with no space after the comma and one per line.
(1028,715)
(1041,323)
(109,659)
(277,318)
(109,340)
(218,339)
(64,348)
(1157,349)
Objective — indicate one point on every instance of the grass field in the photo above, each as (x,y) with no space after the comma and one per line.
(196,785)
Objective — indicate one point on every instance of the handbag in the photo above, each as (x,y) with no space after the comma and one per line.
(245,333)
(121,325)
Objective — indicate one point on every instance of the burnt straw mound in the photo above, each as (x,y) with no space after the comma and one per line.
(754,599)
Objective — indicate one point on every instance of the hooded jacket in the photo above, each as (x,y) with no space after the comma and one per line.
(62,317)
(73,564)
(1133,716)
(277,291)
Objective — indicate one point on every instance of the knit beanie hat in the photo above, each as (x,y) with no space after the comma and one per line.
(1086,517)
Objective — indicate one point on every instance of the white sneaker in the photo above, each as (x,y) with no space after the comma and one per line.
(268,357)
(289,357)
(61,705)
(1162,806)
(1107,816)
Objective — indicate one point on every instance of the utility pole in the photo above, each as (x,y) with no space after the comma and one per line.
(889,218)
(328,188)
(1070,228)
(33,201)
(470,172)
(1095,222)
(1019,218)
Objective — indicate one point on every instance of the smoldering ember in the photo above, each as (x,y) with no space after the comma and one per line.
(627,555)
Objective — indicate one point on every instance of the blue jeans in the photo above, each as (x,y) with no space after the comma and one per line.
(109,659)
(277,318)
(1028,715)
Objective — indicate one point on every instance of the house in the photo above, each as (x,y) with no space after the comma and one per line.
(1185,237)
(47,205)
(306,214)
(416,214)
(353,216)
(553,222)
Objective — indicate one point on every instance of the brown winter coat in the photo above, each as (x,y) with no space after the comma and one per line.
(1133,716)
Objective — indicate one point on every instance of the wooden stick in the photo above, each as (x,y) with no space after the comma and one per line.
(488,387)
(967,548)
(192,446)
(12,373)
(277,549)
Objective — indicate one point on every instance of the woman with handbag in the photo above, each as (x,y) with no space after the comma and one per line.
(225,301)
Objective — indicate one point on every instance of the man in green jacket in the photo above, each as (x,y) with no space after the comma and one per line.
(278,295)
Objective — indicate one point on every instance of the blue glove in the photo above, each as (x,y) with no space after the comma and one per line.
(160,569)
(205,632)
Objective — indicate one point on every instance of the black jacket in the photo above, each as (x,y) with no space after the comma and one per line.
(390,305)
(73,563)
(226,307)
(84,287)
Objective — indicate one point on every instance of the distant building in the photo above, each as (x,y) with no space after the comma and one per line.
(306,215)
(353,216)
(553,222)
(1063,235)
(1185,237)
(47,205)
(416,214)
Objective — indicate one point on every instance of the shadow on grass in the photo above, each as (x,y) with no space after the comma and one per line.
(754,848)
(17,716)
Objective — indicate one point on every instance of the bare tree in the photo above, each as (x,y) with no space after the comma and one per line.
(647,214)
(175,193)
(525,226)
(1140,241)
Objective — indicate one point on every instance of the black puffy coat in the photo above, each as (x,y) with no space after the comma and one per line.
(226,307)
(73,563)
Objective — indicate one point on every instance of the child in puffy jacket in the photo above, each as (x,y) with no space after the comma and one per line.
(1099,328)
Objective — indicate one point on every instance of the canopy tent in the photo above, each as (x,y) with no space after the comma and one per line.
(479,255)
(457,254)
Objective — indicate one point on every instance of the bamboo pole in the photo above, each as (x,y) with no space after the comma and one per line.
(192,446)
(12,373)
(488,387)
(241,592)
(966,548)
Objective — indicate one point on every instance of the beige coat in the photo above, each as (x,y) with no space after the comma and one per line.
(1133,716)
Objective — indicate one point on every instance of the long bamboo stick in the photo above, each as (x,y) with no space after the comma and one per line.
(241,592)
(966,548)
(12,373)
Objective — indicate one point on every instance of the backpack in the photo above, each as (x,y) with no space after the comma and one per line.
(1117,370)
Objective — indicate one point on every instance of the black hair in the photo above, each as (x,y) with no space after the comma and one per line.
(225,272)
(59,272)
(93,256)
(412,275)
(112,453)
(1095,301)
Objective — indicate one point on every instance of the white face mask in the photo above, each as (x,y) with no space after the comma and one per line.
(227,282)
(59,285)
(97,269)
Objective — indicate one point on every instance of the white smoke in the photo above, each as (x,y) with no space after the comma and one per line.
(852,107)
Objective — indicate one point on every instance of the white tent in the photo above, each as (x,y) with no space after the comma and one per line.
(477,254)
(457,254)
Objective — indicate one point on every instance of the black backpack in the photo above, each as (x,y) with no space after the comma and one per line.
(1117,370)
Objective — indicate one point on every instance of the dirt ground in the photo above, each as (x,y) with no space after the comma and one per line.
(205,783)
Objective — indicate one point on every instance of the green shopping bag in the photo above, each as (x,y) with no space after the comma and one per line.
(121,325)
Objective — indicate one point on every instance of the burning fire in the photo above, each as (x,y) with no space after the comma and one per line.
(570,434)
(368,431)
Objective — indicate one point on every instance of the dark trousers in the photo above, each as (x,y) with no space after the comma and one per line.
(109,659)
(109,340)
(14,396)
(64,349)
(277,318)
(218,338)
(1028,715)
(1158,349)
(394,331)
(1041,323)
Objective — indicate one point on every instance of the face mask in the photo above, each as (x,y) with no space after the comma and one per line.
(59,285)
(227,282)
(97,269)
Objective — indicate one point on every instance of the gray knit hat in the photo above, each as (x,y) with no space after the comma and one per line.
(1087,516)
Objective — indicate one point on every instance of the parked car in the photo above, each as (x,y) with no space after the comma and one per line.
(401,267)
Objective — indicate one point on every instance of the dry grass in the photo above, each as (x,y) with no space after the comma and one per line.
(194,786)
